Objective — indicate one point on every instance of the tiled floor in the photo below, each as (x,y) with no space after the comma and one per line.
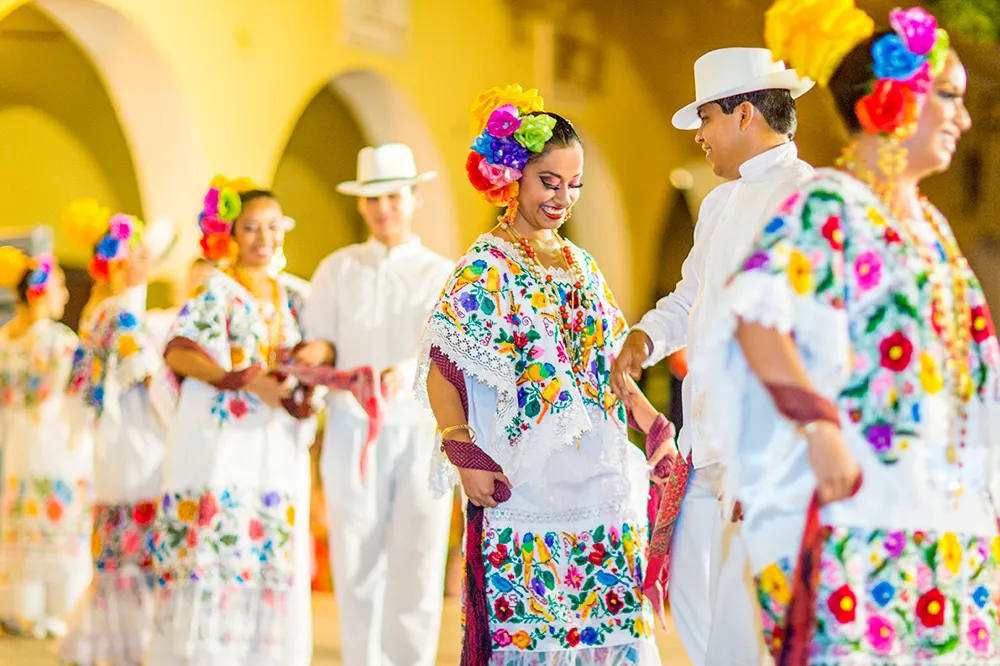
(23,652)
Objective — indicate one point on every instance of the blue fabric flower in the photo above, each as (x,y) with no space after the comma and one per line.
(483,145)
(127,320)
(538,587)
(588,636)
(107,248)
(981,596)
(272,499)
(883,593)
(893,60)
(774,225)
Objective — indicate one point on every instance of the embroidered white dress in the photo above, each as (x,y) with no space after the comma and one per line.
(47,486)
(564,557)
(910,567)
(229,527)
(117,378)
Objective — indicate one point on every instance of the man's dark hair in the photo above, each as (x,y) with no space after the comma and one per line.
(777,107)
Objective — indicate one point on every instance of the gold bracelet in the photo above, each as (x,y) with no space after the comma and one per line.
(464,426)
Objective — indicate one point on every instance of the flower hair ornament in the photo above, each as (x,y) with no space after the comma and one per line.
(15,264)
(112,237)
(511,127)
(220,209)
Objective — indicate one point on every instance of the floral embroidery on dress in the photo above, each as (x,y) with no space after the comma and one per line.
(774,593)
(226,537)
(561,590)
(896,596)
(123,538)
(33,366)
(222,319)
(494,300)
(897,359)
(46,512)
(112,340)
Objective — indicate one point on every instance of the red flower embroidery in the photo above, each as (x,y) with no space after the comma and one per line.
(144,514)
(777,639)
(982,324)
(615,604)
(573,637)
(53,510)
(256,530)
(930,608)
(891,236)
(498,556)
(843,604)
(891,106)
(597,555)
(207,509)
(502,609)
(896,352)
(192,537)
(238,407)
(832,232)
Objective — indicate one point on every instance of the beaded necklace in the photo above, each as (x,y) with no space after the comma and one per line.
(955,332)
(275,324)
(576,298)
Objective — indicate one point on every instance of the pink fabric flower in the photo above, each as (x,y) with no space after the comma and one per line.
(214,225)
(130,541)
(574,578)
(211,207)
(503,121)
(498,175)
(916,28)
(880,634)
(868,269)
(920,82)
(121,227)
(979,636)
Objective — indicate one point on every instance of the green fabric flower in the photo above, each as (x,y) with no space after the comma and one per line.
(229,204)
(535,131)
(939,53)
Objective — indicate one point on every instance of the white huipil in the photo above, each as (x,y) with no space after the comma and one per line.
(47,483)
(709,586)
(388,533)
(118,378)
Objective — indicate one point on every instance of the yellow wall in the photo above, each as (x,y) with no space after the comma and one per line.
(206,86)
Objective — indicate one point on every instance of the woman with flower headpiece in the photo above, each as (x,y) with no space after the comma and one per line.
(47,467)
(232,561)
(117,378)
(855,342)
(515,366)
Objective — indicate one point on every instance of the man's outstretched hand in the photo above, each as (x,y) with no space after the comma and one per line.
(634,353)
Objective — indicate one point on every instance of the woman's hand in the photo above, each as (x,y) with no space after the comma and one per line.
(837,473)
(668,452)
(628,364)
(479,484)
(269,389)
(639,405)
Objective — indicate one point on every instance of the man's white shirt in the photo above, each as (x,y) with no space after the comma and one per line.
(728,222)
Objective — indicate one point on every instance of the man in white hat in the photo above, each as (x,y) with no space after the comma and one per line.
(388,534)
(744,115)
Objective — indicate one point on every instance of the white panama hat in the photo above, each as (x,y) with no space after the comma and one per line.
(383,170)
(733,71)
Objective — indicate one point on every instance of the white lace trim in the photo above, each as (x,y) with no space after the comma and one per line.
(537,443)
(618,510)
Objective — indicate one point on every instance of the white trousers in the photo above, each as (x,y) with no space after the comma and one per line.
(735,638)
(388,542)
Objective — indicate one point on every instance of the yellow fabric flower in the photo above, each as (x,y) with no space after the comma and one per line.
(996,549)
(127,346)
(930,378)
(521,639)
(290,515)
(539,300)
(31,508)
(187,510)
(85,222)
(951,552)
(775,585)
(95,544)
(640,627)
(526,101)
(237,356)
(813,36)
(238,185)
(13,265)
(800,273)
